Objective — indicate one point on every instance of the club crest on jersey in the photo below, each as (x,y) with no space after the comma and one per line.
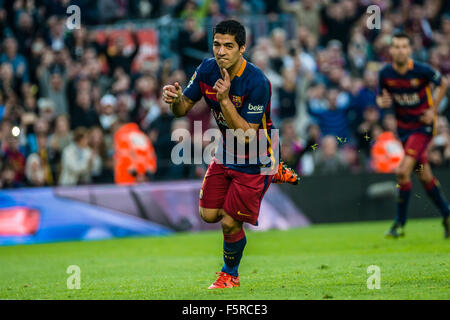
(415,82)
(237,101)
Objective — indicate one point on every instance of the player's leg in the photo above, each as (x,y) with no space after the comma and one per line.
(212,192)
(233,244)
(210,215)
(404,190)
(233,247)
(242,204)
(432,187)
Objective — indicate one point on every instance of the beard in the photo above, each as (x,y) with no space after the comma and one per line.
(401,61)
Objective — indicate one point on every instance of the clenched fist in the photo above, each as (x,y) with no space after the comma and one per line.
(428,116)
(222,86)
(385,100)
(172,93)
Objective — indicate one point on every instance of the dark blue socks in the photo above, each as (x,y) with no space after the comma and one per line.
(402,203)
(233,247)
(436,196)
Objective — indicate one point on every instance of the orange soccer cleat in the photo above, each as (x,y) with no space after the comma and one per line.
(285,175)
(225,280)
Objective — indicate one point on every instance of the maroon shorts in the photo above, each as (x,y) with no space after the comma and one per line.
(416,147)
(238,193)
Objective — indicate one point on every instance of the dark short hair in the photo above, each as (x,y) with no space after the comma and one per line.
(233,28)
(401,35)
(79,133)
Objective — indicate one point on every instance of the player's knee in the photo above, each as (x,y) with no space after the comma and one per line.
(402,175)
(209,215)
(425,179)
(230,226)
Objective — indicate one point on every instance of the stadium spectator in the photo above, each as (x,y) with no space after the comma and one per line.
(277,49)
(9,84)
(34,172)
(329,110)
(55,36)
(77,161)
(124,104)
(117,56)
(337,17)
(61,136)
(8,177)
(440,145)
(100,154)
(357,53)
(14,160)
(111,11)
(77,43)
(307,13)
(214,12)
(107,114)
(261,59)
(287,95)
(121,82)
(84,113)
(38,125)
(160,133)
(292,147)
(192,45)
(52,83)
(5,131)
(389,123)
(47,158)
(328,159)
(17,61)
(146,108)
(366,96)
(364,133)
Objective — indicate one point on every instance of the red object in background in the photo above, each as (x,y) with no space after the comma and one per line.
(387,153)
(19,221)
(148,42)
(134,155)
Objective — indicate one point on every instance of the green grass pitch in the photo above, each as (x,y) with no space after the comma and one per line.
(318,262)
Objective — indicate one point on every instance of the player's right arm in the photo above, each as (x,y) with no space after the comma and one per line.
(384,99)
(179,103)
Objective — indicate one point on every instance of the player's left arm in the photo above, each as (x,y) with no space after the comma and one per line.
(438,94)
(232,117)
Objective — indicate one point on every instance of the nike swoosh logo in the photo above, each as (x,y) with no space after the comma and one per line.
(209,92)
(243,214)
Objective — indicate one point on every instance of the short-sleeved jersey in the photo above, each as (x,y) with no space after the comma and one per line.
(250,92)
(411,95)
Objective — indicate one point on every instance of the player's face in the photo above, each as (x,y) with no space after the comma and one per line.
(226,50)
(400,50)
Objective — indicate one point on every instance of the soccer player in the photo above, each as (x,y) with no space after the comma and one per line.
(238,94)
(406,84)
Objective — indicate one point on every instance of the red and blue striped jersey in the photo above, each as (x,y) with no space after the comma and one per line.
(250,92)
(411,95)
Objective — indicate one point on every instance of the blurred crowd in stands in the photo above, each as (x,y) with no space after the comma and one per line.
(60,105)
